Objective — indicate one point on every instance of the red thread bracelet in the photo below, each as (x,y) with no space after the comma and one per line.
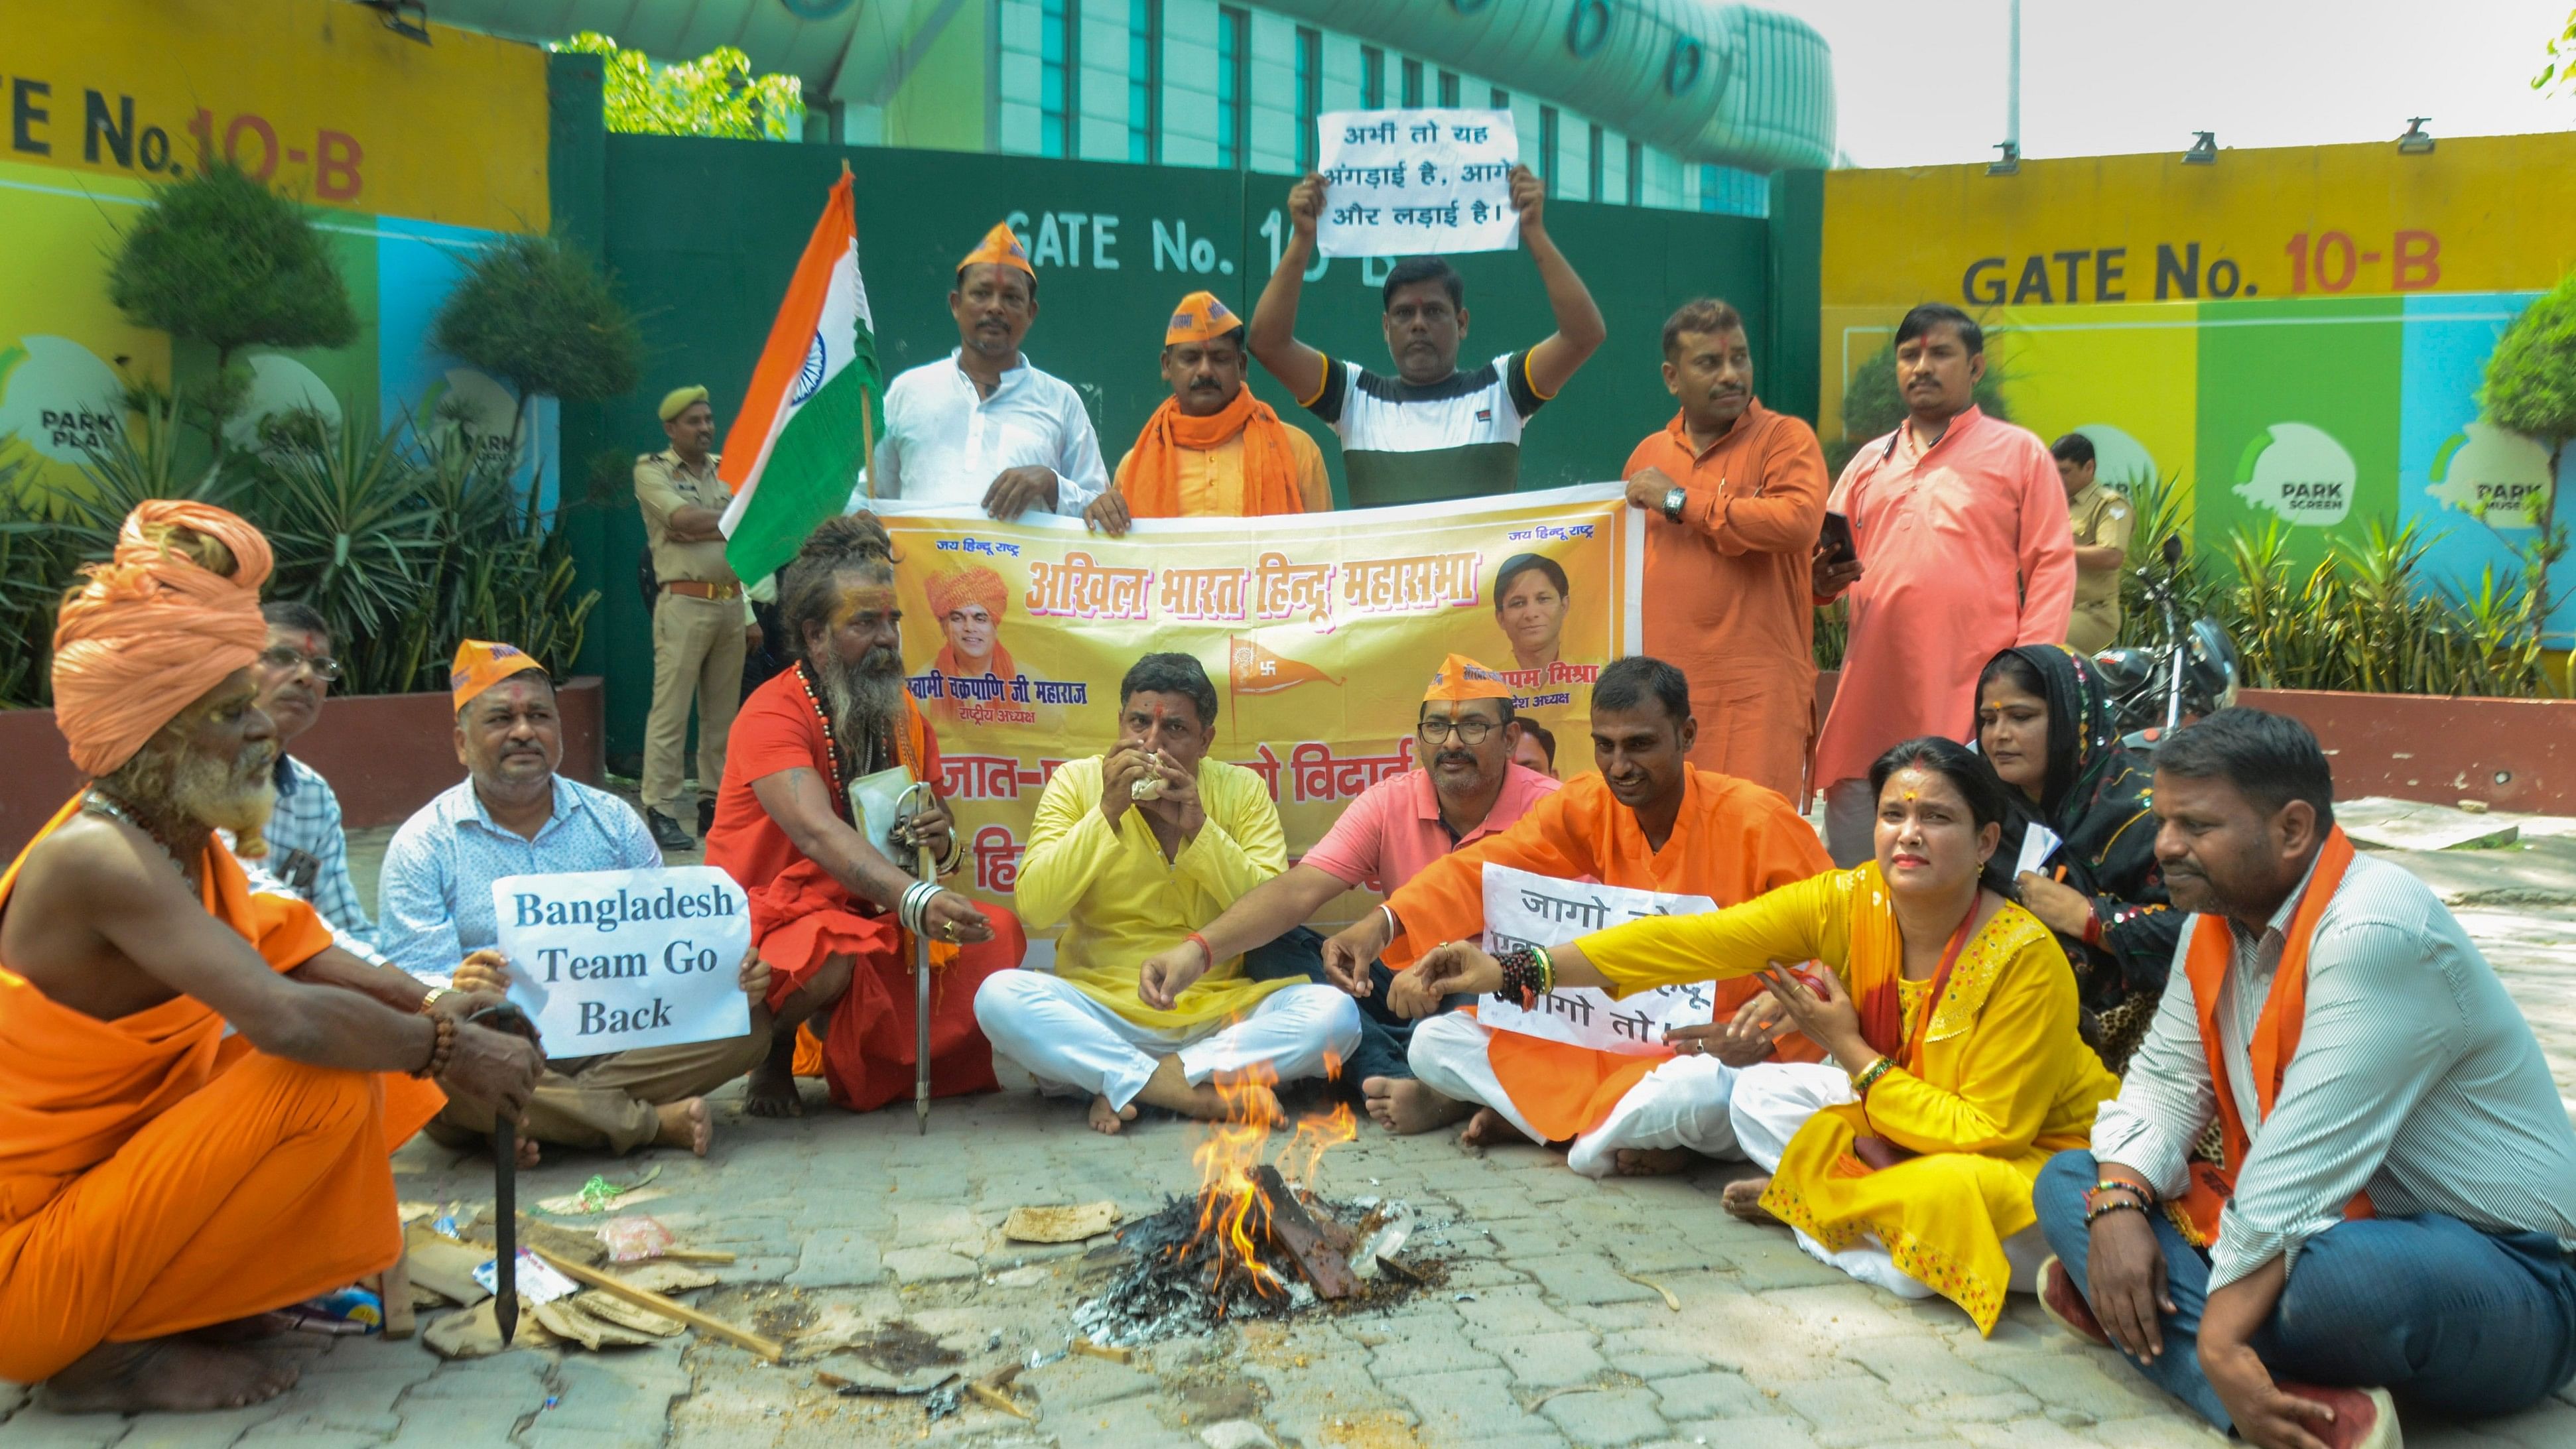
(1201,942)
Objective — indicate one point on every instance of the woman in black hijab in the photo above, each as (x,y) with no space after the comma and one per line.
(2044,723)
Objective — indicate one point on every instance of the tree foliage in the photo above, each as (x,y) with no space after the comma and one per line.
(714,95)
(219,259)
(539,314)
(2561,70)
(2531,375)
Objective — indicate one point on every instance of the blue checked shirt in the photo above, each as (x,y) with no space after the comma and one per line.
(308,856)
(436,890)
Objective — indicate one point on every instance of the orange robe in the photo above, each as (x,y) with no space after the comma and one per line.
(1731,586)
(1731,841)
(156,1178)
(801,917)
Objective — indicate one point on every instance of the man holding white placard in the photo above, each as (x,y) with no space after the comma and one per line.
(1429,431)
(1647,822)
(514,816)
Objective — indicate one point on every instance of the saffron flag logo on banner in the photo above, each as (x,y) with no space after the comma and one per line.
(817,398)
(1258,670)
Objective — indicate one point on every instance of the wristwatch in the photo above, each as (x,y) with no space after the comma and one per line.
(1675,498)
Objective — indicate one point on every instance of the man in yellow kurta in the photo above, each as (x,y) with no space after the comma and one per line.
(1135,851)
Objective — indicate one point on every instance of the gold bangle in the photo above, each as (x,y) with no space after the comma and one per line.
(429,998)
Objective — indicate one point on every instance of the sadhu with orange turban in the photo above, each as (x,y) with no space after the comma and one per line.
(147,1160)
(969,601)
(1213,449)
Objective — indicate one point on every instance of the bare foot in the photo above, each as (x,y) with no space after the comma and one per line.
(1402,1105)
(1652,1161)
(1743,1200)
(529,1152)
(1106,1120)
(1489,1128)
(1168,1089)
(770,1090)
(165,1375)
(684,1124)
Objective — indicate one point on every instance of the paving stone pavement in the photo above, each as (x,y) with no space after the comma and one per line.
(1540,1337)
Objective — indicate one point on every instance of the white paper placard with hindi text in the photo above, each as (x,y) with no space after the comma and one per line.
(1524,909)
(1408,182)
(611,960)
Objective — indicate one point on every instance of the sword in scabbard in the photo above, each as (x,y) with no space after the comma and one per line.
(926,869)
(505,1226)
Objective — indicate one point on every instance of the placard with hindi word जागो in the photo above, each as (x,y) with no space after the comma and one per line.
(1523,909)
(1405,183)
(610,960)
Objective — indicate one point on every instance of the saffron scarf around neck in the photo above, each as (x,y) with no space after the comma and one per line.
(1269,467)
(2276,1038)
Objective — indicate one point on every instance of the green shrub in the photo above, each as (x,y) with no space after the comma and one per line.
(538,314)
(221,260)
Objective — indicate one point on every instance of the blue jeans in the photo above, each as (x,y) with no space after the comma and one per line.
(2441,1314)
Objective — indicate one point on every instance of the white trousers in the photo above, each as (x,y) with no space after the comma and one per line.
(1682,1103)
(1772,1101)
(1070,1042)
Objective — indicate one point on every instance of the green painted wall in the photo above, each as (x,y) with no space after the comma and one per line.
(702,236)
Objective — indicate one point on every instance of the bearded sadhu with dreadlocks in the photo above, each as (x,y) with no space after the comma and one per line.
(824,896)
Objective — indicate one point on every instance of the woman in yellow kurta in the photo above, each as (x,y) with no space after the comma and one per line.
(1951,1116)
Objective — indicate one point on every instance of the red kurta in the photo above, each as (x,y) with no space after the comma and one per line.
(1731,842)
(801,917)
(1731,585)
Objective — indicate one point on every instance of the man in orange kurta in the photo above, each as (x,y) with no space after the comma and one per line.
(1649,820)
(1965,552)
(1213,450)
(1734,494)
(154,1177)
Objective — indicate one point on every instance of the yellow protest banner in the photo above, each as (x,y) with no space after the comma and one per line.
(1320,632)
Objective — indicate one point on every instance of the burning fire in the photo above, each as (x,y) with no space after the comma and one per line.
(1234,1208)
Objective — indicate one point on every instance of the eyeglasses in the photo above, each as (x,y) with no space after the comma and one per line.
(324,667)
(1469,731)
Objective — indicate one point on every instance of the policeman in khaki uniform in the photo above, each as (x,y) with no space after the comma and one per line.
(700,629)
(2102,519)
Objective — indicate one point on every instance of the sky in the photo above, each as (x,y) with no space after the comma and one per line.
(1922,82)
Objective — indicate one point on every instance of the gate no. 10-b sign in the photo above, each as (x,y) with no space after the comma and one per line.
(608,960)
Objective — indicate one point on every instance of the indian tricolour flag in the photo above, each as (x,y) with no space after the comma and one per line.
(816,399)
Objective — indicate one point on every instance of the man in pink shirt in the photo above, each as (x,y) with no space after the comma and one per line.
(1964,551)
(1470,789)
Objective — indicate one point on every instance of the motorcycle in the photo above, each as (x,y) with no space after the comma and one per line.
(2191,673)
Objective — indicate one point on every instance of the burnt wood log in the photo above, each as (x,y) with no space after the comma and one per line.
(1296,1233)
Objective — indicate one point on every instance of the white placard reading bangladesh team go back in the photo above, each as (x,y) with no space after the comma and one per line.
(609,960)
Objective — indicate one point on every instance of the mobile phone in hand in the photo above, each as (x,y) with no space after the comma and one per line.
(1835,544)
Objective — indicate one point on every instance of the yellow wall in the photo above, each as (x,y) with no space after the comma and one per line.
(336,108)
(2478,214)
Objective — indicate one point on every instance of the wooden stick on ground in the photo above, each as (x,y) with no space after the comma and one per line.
(668,1307)
(394,1286)
(692,1255)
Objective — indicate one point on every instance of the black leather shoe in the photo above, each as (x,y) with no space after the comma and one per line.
(706,817)
(667,832)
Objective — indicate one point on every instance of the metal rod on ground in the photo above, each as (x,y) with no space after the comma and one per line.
(505,1226)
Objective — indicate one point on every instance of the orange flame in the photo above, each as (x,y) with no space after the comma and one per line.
(1232,1205)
